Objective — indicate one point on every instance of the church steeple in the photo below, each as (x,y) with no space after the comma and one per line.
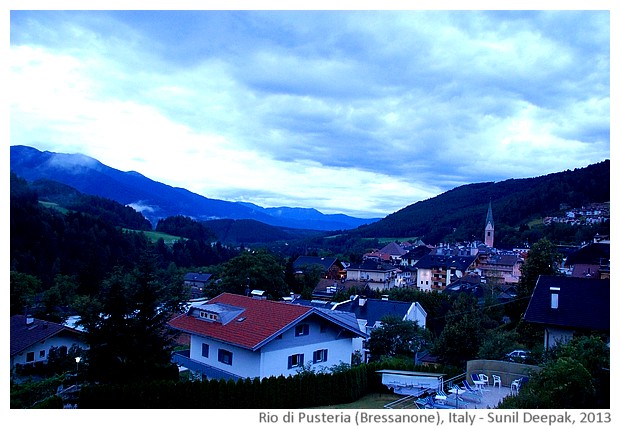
(489,228)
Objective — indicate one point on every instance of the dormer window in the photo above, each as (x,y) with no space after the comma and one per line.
(208,315)
(219,313)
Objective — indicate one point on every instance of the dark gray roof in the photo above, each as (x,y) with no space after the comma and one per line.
(591,253)
(326,263)
(374,309)
(197,277)
(582,303)
(434,261)
(393,249)
(372,265)
(314,303)
(339,316)
(417,252)
(24,335)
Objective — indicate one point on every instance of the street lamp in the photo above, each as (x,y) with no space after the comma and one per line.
(77,368)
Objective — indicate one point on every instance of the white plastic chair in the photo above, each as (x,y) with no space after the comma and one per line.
(497,381)
(515,385)
(484,379)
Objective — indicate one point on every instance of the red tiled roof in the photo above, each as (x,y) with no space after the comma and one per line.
(262,320)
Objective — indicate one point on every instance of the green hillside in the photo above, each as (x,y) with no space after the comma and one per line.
(460,213)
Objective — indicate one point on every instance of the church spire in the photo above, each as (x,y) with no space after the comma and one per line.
(489,215)
(489,228)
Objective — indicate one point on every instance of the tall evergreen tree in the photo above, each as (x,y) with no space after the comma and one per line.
(463,334)
(127,324)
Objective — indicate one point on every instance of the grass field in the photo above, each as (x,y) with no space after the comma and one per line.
(155,235)
(54,206)
(372,401)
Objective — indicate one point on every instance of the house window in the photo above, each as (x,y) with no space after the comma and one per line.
(224,356)
(319,355)
(30,357)
(205,350)
(295,361)
(42,354)
(301,330)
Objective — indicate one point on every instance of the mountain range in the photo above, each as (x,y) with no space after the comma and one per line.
(156,200)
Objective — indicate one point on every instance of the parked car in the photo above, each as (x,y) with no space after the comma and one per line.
(518,356)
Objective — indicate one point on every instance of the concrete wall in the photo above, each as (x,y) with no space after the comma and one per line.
(508,371)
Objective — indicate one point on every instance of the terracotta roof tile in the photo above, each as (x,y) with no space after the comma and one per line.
(262,319)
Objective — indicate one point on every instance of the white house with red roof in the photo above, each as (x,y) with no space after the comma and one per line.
(235,336)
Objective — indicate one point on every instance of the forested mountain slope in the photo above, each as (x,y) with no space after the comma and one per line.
(461,212)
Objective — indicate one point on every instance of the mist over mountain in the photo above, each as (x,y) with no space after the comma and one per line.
(156,200)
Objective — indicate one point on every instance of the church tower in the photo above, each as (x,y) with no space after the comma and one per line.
(489,229)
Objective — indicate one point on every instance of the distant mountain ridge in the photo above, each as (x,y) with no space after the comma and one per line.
(156,200)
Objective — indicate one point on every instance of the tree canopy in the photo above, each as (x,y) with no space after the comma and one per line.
(254,270)
(396,337)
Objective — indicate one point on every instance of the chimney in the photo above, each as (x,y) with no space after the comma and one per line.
(555,296)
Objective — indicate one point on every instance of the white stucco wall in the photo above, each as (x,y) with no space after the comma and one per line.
(46,345)
(554,337)
(272,359)
(424,281)
(416,314)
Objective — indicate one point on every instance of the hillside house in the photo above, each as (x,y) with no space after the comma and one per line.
(590,261)
(500,268)
(377,256)
(197,282)
(410,258)
(470,283)
(566,306)
(405,277)
(32,339)
(370,311)
(391,252)
(331,268)
(395,252)
(234,336)
(435,272)
(379,275)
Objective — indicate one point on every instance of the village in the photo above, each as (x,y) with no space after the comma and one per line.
(233,337)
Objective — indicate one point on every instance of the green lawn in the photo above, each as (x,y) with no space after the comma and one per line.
(368,402)
(155,235)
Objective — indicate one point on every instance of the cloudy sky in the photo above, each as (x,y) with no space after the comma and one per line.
(356,112)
